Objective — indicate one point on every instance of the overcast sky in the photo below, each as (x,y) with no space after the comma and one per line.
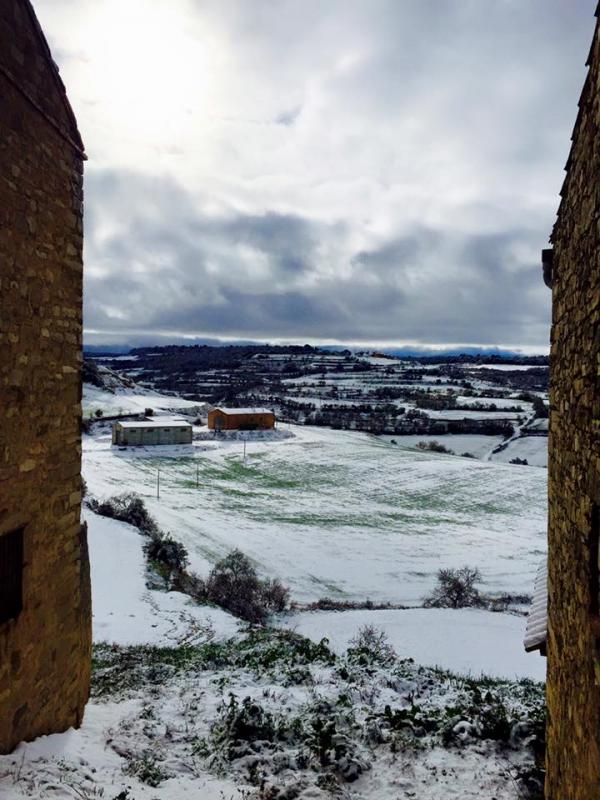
(377,171)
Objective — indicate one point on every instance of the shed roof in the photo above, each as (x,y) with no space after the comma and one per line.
(244,410)
(154,423)
(536,632)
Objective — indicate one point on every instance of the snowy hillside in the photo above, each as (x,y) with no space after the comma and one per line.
(413,702)
(116,395)
(336,513)
(267,715)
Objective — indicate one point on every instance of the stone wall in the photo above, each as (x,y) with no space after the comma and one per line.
(573,693)
(45,650)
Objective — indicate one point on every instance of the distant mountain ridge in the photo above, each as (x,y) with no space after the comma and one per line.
(232,351)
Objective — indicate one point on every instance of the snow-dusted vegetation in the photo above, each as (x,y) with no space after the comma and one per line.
(358,691)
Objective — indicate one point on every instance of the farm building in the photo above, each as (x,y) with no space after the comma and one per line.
(244,419)
(151,432)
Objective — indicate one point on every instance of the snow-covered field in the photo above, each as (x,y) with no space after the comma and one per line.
(129,401)
(466,640)
(503,367)
(332,513)
(460,413)
(476,444)
(335,513)
(127,612)
(532,448)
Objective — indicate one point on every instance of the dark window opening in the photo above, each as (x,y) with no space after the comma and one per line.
(11,575)
(595,562)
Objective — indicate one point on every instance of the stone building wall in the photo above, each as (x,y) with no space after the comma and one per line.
(44,649)
(573,684)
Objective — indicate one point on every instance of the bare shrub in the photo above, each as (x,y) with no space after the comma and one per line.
(276,596)
(456,589)
(127,508)
(191,584)
(370,644)
(434,447)
(165,551)
(233,584)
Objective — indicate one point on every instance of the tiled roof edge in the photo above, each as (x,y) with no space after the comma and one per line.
(581,104)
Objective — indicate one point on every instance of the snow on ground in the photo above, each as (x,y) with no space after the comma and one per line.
(460,413)
(505,367)
(476,444)
(266,712)
(532,448)
(329,512)
(539,424)
(112,358)
(466,641)
(125,611)
(499,402)
(278,434)
(336,513)
(83,764)
(129,401)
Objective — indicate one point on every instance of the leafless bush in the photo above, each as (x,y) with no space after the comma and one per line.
(456,589)
(191,584)
(276,596)
(127,508)
(233,584)
(371,644)
(164,550)
(434,447)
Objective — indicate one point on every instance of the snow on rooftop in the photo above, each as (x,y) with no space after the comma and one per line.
(536,632)
(244,410)
(155,423)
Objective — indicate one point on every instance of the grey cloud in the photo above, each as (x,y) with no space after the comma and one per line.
(389,170)
(288,117)
(172,269)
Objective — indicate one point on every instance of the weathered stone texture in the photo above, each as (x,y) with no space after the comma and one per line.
(573,684)
(45,651)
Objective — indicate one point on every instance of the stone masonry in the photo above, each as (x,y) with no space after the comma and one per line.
(573,683)
(45,644)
